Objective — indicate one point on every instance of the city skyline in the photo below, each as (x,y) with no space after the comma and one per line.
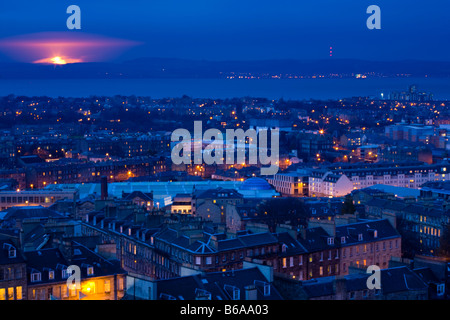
(241,152)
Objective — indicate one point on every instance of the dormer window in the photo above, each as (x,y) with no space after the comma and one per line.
(35,276)
(90,271)
(65,273)
(360,237)
(330,240)
(342,239)
(236,294)
(266,289)
(283,248)
(375,233)
(51,275)
(11,250)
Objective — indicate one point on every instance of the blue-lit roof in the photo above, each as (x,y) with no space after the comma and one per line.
(255,184)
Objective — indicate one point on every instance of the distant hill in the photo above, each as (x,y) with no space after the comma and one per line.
(182,68)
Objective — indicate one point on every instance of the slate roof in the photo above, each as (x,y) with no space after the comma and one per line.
(320,287)
(292,246)
(137,194)
(217,193)
(217,284)
(393,280)
(366,228)
(26,212)
(323,209)
(44,260)
(427,275)
(400,279)
(202,245)
(316,240)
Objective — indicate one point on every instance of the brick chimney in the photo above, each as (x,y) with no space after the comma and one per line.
(104,188)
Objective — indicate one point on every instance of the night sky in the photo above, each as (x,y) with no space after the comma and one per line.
(247,29)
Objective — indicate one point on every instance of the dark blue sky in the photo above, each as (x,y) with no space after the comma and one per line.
(248,29)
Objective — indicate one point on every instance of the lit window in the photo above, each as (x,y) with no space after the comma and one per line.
(10,293)
(19,293)
(107,286)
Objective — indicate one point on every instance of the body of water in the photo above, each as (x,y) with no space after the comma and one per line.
(289,89)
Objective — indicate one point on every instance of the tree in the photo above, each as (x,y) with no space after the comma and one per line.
(348,206)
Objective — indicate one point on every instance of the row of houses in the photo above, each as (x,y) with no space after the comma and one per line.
(45,274)
(337,180)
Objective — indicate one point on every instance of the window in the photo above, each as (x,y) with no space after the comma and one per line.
(120,285)
(300,260)
(360,237)
(11,293)
(12,252)
(36,276)
(65,273)
(440,289)
(330,241)
(365,293)
(107,286)
(19,293)
(284,262)
(266,289)
(64,291)
(90,271)
(236,294)
(291,261)
(19,273)
(51,275)
(198,260)
(2,294)
(342,239)
(208,260)
(321,270)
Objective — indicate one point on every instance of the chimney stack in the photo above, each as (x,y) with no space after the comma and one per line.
(104,187)
(251,292)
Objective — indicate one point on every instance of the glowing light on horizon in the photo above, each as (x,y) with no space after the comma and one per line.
(62,48)
(58,60)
